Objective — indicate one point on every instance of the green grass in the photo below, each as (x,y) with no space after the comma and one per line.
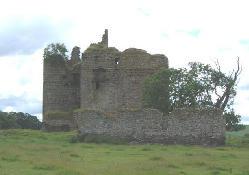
(26,152)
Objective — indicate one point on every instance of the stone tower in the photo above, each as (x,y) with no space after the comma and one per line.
(112,80)
(61,84)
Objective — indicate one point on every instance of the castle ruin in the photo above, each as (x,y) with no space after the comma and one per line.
(107,80)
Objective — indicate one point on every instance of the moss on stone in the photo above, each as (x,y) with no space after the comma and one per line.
(98,111)
(100,47)
(58,115)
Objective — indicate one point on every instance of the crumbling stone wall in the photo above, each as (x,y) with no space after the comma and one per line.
(58,121)
(183,126)
(111,80)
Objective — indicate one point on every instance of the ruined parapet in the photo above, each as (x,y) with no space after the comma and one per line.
(140,59)
(97,55)
(75,55)
(183,126)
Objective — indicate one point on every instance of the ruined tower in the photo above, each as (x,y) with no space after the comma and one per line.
(112,80)
(61,87)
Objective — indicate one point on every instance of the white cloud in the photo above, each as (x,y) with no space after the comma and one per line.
(9,109)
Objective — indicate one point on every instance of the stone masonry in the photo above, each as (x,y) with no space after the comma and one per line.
(183,126)
(111,80)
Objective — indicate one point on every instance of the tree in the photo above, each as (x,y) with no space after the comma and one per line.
(232,121)
(203,86)
(55,53)
(156,91)
(7,122)
(199,86)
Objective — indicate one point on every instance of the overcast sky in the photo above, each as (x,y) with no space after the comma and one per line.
(184,31)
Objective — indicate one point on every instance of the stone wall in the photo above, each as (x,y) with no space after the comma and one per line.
(58,121)
(183,126)
(58,125)
(111,80)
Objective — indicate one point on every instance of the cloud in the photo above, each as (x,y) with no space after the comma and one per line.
(21,87)
(245,120)
(245,42)
(194,33)
(22,35)
(21,104)
(143,11)
(244,87)
(164,34)
(21,74)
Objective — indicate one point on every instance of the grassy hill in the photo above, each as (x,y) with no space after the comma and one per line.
(239,133)
(26,152)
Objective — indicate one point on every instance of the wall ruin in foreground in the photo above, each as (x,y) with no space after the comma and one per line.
(183,126)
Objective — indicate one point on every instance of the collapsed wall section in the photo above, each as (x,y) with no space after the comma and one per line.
(183,126)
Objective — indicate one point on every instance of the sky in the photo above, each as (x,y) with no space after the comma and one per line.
(184,31)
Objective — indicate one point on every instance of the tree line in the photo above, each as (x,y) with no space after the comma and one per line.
(19,120)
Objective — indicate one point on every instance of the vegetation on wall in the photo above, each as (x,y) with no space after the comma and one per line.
(55,54)
(58,115)
(100,47)
(18,120)
(156,91)
(199,86)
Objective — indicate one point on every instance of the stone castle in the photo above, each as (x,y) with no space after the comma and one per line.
(105,85)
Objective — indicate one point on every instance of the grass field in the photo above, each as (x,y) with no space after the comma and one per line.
(25,152)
